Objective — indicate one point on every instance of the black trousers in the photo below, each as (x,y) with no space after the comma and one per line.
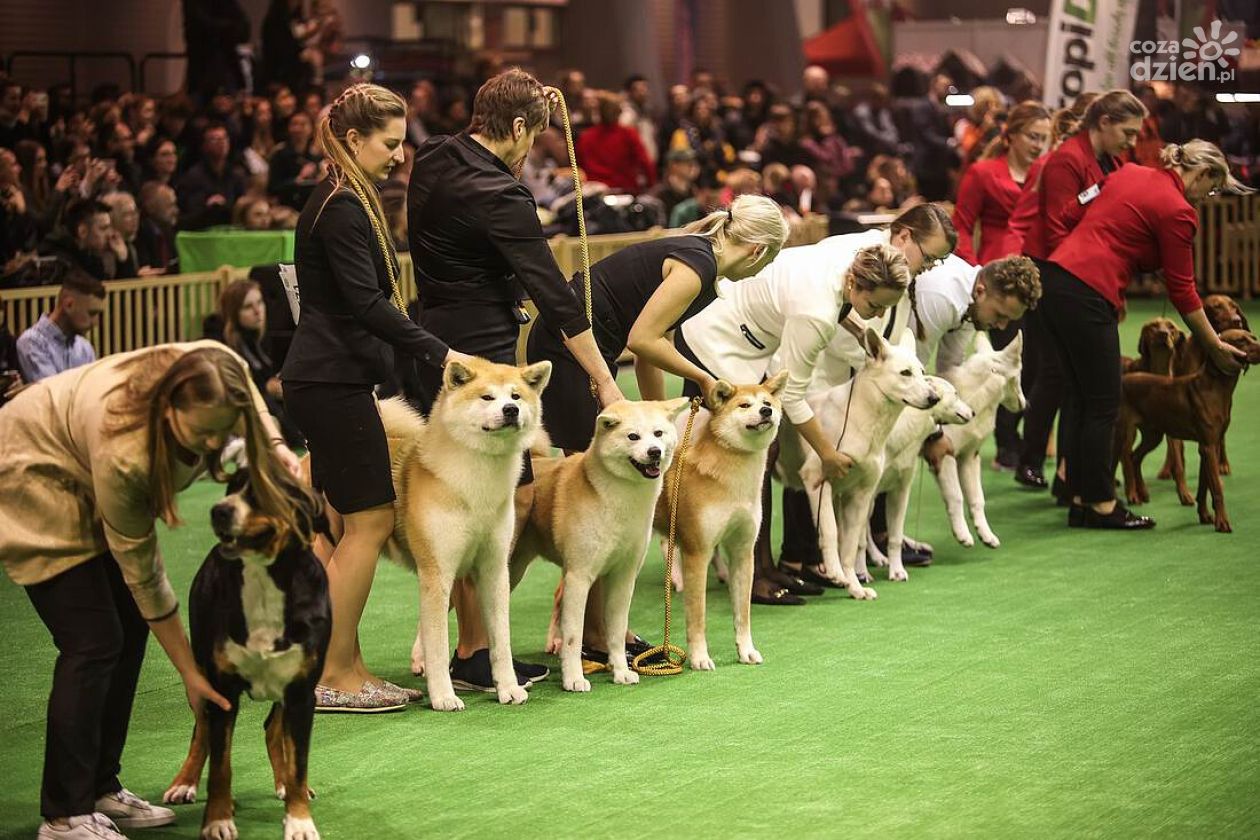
(1006,426)
(1083,326)
(1045,394)
(100,638)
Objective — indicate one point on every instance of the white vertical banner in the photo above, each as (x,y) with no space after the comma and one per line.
(1088,47)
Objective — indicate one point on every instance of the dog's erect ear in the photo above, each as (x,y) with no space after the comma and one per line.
(676,406)
(606,421)
(776,383)
(537,376)
(721,394)
(983,343)
(873,344)
(457,374)
(1015,350)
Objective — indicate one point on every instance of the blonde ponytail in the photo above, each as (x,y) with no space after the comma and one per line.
(1200,154)
(750,220)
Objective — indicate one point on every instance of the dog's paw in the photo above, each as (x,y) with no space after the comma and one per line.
(180,793)
(626,677)
(1185,498)
(750,656)
(700,659)
(1223,526)
(863,576)
(219,830)
(876,559)
(417,668)
(964,539)
(554,645)
(281,790)
(862,593)
(300,829)
(446,702)
(833,573)
(898,573)
(990,539)
(513,695)
(577,684)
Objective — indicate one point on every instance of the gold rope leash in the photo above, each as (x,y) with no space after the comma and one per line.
(581,214)
(674,655)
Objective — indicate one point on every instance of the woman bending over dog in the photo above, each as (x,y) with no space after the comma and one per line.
(88,460)
(350,323)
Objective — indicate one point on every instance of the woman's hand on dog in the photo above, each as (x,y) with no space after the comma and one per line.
(836,466)
(1227,358)
(289,460)
(200,691)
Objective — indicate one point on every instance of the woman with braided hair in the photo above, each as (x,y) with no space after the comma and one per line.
(352,320)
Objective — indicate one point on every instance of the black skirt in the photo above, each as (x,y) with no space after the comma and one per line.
(346,439)
(569,408)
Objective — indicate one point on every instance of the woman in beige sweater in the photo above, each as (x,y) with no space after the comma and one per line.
(89,459)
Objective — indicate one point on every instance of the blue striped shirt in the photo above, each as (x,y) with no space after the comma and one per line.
(45,350)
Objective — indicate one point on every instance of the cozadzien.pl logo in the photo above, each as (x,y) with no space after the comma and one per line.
(1203,58)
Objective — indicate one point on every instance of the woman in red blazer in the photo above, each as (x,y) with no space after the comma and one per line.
(986,198)
(613,154)
(1142,221)
(1057,196)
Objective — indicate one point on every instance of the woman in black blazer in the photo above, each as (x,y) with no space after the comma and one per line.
(351,322)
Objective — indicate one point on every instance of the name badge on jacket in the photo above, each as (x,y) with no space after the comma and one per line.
(1086,196)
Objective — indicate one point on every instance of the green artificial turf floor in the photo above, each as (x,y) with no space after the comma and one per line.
(1068,684)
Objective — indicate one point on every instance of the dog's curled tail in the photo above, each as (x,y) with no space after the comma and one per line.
(403,427)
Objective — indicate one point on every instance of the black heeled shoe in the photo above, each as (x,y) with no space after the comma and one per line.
(1030,477)
(1120,519)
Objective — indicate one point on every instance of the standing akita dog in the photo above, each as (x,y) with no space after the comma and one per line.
(455,477)
(719,504)
(592,516)
(859,415)
(987,379)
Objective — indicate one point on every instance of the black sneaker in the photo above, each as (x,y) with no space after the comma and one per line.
(1120,519)
(529,671)
(473,673)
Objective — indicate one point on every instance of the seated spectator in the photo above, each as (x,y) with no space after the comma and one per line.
(164,162)
(243,315)
(612,154)
(124,218)
(971,130)
(11,381)
(636,112)
(905,190)
(705,196)
(89,243)
(208,191)
(155,239)
(832,158)
(743,123)
(879,198)
(253,212)
(778,140)
(679,103)
(422,115)
(120,147)
(18,231)
(175,124)
(44,200)
(56,342)
(742,181)
(13,125)
(140,112)
(681,170)
(260,141)
(874,123)
(295,164)
(704,134)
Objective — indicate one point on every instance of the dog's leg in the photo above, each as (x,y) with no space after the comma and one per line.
(555,641)
(739,548)
(494,593)
(859,564)
(417,649)
(695,566)
(1150,439)
(298,715)
(1205,485)
(822,505)
(1177,461)
(898,502)
(1225,467)
(854,510)
(618,593)
(873,555)
(217,822)
(973,489)
(435,601)
(277,751)
(577,587)
(951,492)
(1209,454)
(1125,434)
(183,789)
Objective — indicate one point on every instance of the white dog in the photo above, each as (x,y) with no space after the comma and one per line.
(859,415)
(455,476)
(592,515)
(987,379)
(901,464)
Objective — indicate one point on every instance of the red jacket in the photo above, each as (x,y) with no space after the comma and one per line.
(1140,222)
(614,155)
(988,193)
(1070,170)
(1027,208)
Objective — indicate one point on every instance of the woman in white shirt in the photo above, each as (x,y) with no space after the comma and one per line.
(792,311)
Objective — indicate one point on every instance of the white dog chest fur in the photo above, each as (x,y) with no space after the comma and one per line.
(267,670)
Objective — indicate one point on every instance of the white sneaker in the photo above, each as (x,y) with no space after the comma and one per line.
(130,811)
(84,827)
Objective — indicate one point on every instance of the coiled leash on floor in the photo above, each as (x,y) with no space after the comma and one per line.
(674,656)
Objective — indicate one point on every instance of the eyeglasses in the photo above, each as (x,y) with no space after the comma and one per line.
(929,261)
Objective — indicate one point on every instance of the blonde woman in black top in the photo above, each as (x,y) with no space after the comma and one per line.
(351,322)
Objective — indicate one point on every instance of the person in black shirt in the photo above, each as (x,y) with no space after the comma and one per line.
(350,323)
(643,292)
(478,248)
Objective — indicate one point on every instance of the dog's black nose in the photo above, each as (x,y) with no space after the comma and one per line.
(767,411)
(655,453)
(221,516)
(933,399)
(511,411)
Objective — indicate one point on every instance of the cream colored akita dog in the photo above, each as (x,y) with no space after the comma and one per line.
(719,504)
(592,516)
(455,477)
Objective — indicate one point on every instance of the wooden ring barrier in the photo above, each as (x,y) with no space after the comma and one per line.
(1227,245)
(156,310)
